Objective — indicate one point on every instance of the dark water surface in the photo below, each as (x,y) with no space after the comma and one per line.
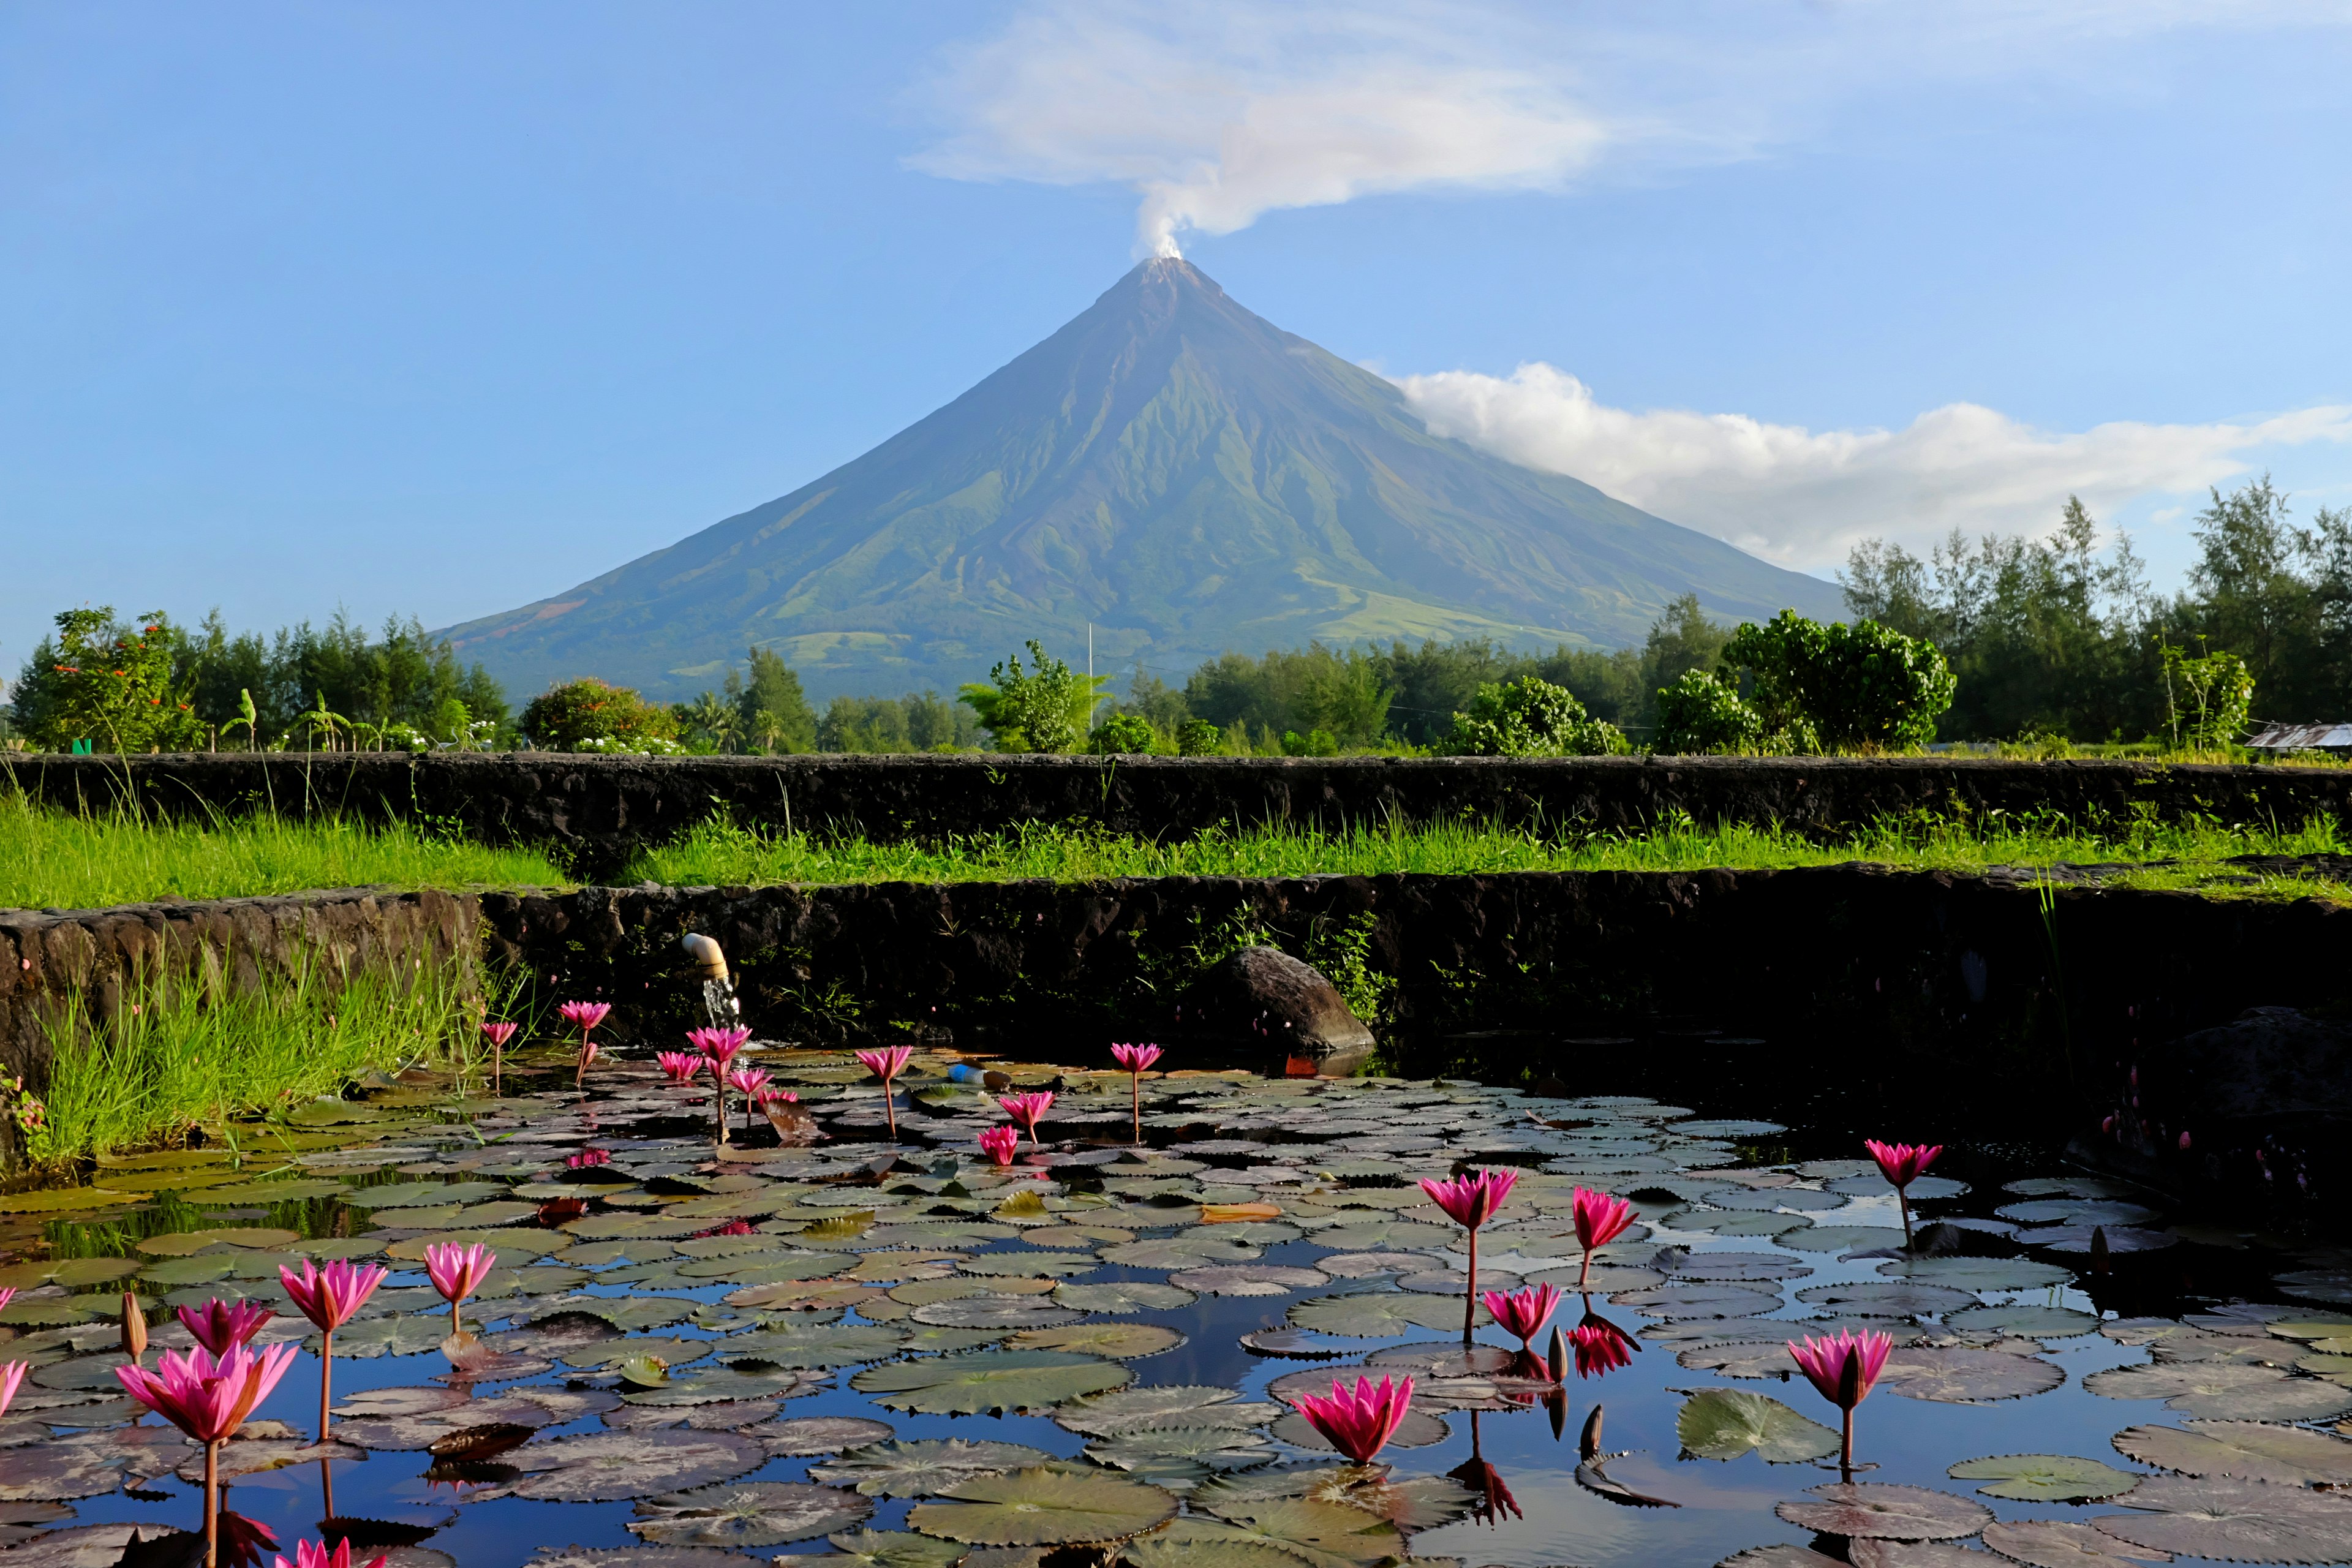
(2246,1328)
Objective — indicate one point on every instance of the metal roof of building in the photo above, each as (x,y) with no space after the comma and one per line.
(2302,737)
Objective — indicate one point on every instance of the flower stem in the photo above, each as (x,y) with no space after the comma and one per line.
(1470,1290)
(1135,1081)
(1903,1202)
(326,1378)
(890,1108)
(1845,1444)
(212,1502)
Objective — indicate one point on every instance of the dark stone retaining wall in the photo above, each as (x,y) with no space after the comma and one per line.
(1854,971)
(597,810)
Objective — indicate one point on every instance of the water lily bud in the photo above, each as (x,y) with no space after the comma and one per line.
(134,1327)
(2184,1141)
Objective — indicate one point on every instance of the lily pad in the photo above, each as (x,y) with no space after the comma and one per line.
(1053,1265)
(996,1312)
(2225,1391)
(1697,1301)
(988,1381)
(1956,1374)
(1377,1314)
(882,1549)
(2247,1450)
(746,1514)
(56,1471)
(1739,1266)
(1118,1341)
(1889,1512)
(1120,1297)
(1887,1298)
(1323,1529)
(1130,1410)
(1979,1273)
(607,1467)
(1042,1507)
(1841,1237)
(831,1345)
(1251,1279)
(803,1436)
(2249,1521)
(1724,1423)
(924,1467)
(2044,1477)
(2048,1544)
(1182,1449)
(2026,1321)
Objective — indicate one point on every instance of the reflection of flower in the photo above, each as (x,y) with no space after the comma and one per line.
(1600,1346)
(1358,1423)
(1494,1502)
(556,1213)
(243,1541)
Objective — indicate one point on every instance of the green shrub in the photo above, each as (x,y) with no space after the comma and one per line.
(1121,734)
(1530,718)
(587,715)
(114,686)
(1199,738)
(1863,687)
(1700,713)
(1047,707)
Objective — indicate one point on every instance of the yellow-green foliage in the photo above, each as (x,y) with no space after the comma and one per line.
(57,859)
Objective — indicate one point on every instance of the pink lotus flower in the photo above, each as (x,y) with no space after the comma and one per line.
(752,1083)
(327,1298)
(1470,1202)
(1600,1346)
(584,1016)
(208,1399)
(1524,1314)
(11,1375)
(498,1034)
(719,1044)
(1027,1109)
(314,1554)
(1901,1164)
(223,1326)
(587,1157)
(886,1064)
(1360,1424)
(1843,1370)
(679,1067)
(1600,1220)
(1136,1059)
(458,1272)
(998,1144)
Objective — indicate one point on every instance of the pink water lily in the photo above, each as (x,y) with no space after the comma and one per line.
(209,1398)
(498,1034)
(11,1375)
(1600,1220)
(458,1272)
(1843,1369)
(718,1048)
(752,1083)
(1359,1423)
(329,1297)
(1028,1109)
(1902,1164)
(221,1326)
(1136,1060)
(314,1554)
(1470,1202)
(886,1064)
(1523,1313)
(584,1017)
(998,1142)
(679,1067)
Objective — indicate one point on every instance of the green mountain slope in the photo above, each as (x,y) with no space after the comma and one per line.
(1178,471)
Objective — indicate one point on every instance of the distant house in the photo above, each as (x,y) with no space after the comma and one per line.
(2333,739)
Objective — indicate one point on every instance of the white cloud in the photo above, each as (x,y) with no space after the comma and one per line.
(1218,111)
(1802,498)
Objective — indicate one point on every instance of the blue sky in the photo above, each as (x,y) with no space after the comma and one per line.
(434,308)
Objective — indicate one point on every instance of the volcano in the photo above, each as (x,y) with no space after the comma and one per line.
(1169,468)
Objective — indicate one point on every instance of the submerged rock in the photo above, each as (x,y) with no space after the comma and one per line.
(1280,1013)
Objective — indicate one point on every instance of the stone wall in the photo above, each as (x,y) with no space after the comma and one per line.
(597,811)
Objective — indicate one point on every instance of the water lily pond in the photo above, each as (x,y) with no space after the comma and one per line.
(814,1344)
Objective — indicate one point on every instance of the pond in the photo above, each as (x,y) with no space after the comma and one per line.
(816,1344)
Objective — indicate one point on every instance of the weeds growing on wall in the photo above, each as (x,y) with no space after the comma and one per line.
(187,1054)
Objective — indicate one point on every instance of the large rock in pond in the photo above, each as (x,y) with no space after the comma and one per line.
(1276,1013)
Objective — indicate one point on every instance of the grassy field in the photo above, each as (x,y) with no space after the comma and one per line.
(721,853)
(54,859)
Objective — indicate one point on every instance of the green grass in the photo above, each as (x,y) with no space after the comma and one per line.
(186,1056)
(57,860)
(721,853)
